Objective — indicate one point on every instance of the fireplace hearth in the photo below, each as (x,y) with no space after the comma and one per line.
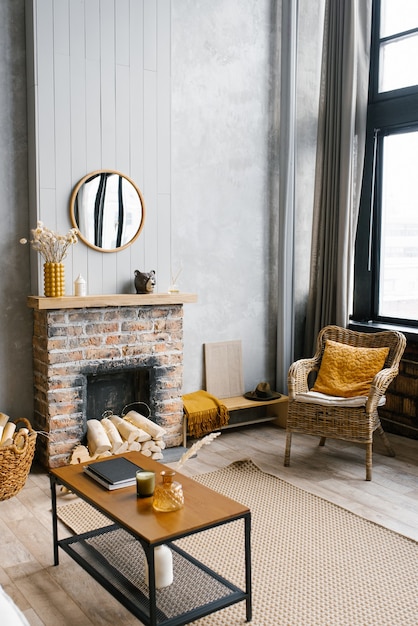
(135,340)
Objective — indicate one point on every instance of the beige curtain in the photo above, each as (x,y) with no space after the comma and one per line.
(339,163)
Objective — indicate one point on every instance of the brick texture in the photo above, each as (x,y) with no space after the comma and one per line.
(71,344)
(400,413)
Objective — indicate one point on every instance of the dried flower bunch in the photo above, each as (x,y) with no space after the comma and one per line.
(195,447)
(52,246)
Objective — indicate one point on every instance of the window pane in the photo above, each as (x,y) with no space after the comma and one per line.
(398,67)
(398,295)
(397,16)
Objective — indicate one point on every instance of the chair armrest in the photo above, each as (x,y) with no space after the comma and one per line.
(297,379)
(379,385)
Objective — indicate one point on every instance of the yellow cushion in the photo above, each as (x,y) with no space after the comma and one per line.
(347,371)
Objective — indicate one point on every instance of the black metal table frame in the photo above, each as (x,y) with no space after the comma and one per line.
(152,619)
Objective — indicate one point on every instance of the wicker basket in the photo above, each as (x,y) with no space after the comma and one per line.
(16,461)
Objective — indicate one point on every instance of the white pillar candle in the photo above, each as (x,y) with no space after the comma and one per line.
(163,562)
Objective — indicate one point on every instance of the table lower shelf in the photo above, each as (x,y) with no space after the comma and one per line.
(117,561)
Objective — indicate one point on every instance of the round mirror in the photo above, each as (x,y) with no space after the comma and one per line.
(108,210)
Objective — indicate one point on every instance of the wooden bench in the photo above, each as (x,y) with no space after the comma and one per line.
(243,412)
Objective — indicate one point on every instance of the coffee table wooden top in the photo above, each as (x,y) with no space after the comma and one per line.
(202,509)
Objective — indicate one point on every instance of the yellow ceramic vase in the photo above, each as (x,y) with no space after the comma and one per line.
(54,280)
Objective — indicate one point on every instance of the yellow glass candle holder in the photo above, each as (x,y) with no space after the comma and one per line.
(168,495)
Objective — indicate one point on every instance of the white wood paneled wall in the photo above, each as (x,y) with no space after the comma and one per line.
(100,98)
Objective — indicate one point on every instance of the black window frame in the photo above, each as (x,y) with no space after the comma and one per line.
(387,113)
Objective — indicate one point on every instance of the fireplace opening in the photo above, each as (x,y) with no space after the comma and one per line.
(113,391)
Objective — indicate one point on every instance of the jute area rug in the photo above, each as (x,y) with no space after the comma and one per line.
(314,563)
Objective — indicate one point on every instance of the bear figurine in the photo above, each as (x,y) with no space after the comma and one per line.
(144,281)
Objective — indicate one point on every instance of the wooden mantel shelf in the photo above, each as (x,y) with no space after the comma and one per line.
(81,302)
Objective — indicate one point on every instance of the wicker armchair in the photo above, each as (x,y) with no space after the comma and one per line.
(349,419)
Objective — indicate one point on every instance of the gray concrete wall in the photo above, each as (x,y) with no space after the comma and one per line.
(220,131)
(15,318)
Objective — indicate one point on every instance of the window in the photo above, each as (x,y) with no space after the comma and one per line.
(398,44)
(386,259)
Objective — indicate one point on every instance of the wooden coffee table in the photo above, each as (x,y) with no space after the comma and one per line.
(114,554)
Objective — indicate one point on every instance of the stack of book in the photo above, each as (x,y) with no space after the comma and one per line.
(113,473)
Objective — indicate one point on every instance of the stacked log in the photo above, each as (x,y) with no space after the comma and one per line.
(9,434)
(115,435)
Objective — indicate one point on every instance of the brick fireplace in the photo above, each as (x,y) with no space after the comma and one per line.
(76,338)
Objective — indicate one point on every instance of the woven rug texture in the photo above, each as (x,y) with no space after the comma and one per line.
(313,562)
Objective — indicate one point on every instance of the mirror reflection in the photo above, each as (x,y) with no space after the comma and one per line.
(108,210)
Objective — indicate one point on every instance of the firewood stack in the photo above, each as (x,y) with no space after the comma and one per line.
(115,435)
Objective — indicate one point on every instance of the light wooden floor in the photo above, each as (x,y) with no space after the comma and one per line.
(67,596)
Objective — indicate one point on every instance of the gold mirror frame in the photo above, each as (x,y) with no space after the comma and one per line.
(124,218)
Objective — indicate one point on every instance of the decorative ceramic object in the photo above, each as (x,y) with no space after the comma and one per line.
(144,281)
(54,280)
(80,286)
(168,495)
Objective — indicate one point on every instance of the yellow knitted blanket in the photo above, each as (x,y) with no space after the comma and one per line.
(204,413)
